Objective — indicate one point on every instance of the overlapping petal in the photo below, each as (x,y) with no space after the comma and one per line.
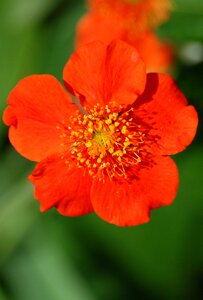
(156,54)
(93,26)
(59,183)
(37,108)
(163,106)
(127,203)
(97,73)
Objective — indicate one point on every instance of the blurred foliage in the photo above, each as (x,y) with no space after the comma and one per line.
(47,256)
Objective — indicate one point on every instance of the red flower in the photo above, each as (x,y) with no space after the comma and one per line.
(142,15)
(94,26)
(112,156)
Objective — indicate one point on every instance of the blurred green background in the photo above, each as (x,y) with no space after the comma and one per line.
(50,257)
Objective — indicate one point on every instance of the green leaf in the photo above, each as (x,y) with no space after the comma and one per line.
(16,217)
(183,27)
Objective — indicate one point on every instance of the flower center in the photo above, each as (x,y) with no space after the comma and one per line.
(106,141)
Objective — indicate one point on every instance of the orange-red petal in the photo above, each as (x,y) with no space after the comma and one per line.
(139,15)
(97,73)
(37,109)
(157,55)
(94,26)
(127,203)
(164,107)
(60,183)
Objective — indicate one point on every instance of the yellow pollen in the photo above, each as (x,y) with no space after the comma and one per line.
(111,127)
(118,153)
(90,130)
(123,130)
(88,144)
(100,146)
(111,150)
(126,144)
(108,121)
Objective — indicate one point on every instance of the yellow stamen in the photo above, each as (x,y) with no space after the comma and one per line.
(105,141)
